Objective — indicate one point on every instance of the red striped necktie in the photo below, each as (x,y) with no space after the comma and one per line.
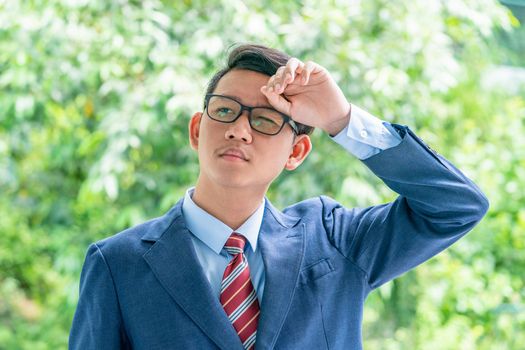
(238,297)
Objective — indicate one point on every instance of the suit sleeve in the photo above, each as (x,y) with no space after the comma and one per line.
(437,205)
(97,323)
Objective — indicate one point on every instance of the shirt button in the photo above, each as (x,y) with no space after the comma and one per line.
(363,133)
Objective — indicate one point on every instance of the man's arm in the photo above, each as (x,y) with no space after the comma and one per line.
(97,323)
(387,240)
(437,204)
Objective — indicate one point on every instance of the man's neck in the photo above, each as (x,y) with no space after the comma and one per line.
(232,206)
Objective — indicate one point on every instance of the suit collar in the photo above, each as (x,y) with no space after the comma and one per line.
(282,219)
(282,244)
(154,232)
(173,261)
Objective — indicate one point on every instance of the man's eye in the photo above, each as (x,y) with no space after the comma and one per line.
(263,120)
(224,110)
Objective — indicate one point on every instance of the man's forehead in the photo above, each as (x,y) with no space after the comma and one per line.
(246,100)
(243,86)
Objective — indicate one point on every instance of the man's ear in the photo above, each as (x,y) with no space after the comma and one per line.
(300,149)
(194,128)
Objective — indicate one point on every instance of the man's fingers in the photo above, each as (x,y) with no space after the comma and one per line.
(276,100)
(309,67)
(270,83)
(291,68)
(292,71)
(278,81)
(279,73)
(285,75)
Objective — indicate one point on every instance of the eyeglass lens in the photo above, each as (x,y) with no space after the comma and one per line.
(225,110)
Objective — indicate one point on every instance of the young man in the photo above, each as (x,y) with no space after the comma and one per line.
(224,269)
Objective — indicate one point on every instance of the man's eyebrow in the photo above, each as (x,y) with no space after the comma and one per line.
(237,98)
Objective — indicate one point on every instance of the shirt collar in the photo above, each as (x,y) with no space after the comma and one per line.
(213,232)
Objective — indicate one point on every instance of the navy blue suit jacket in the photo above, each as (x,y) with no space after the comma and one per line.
(145,289)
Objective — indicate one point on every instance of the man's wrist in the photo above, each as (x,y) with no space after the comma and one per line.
(336,126)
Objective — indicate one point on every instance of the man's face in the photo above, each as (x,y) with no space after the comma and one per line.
(233,154)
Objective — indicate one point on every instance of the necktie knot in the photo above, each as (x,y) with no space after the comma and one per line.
(235,244)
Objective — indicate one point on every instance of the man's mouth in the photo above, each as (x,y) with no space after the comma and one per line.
(234,154)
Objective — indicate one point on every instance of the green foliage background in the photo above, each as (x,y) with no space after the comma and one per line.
(95,97)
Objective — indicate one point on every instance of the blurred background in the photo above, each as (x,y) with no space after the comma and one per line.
(95,97)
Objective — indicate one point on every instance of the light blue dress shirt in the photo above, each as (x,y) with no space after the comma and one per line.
(364,136)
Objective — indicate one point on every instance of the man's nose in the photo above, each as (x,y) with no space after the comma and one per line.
(240,129)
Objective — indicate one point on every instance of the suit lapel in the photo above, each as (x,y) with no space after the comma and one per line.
(173,261)
(281,242)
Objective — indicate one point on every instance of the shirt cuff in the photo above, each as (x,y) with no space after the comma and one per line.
(366,135)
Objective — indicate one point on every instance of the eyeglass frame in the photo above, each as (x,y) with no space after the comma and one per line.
(287,119)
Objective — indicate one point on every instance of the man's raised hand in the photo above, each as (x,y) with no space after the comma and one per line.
(307,92)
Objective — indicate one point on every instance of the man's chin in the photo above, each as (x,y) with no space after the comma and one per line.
(235,183)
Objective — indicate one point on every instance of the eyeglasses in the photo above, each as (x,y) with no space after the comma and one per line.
(265,120)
